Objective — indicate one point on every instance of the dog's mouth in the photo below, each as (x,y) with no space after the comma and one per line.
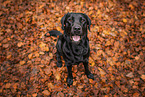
(76,38)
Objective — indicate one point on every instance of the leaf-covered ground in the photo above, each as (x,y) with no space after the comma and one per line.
(27,57)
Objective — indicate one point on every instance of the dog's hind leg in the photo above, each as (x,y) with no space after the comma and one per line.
(58,58)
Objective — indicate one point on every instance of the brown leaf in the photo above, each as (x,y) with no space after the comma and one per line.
(46,92)
(6,45)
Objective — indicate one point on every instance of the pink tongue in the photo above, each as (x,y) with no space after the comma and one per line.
(76,38)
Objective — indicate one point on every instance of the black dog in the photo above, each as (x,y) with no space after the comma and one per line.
(73,45)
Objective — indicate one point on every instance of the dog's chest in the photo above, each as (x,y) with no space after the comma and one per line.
(74,53)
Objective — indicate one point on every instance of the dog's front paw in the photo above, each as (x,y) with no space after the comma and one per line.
(90,76)
(70,81)
(59,64)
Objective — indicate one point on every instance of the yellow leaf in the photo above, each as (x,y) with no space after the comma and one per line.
(58,28)
(106,32)
(124,20)
(57,75)
(102,72)
(93,63)
(125,33)
(36,54)
(41,53)
(42,45)
(46,48)
(30,56)
(108,43)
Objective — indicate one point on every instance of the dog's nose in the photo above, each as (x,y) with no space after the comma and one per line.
(77,28)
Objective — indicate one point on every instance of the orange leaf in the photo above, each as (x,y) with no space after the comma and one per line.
(8,85)
(143,77)
(22,62)
(30,56)
(46,92)
(34,95)
(102,72)
(20,44)
(124,20)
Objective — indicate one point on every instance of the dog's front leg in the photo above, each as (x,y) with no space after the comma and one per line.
(70,77)
(87,71)
(58,54)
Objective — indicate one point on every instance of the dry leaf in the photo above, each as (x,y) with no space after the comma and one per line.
(22,62)
(143,77)
(46,92)
(130,75)
(20,44)
(102,72)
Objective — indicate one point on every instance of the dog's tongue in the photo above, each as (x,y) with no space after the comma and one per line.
(76,38)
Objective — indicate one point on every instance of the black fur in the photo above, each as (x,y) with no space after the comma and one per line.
(74,50)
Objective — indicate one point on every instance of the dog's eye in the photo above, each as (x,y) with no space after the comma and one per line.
(83,20)
(70,20)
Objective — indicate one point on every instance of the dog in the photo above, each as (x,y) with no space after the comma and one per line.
(73,44)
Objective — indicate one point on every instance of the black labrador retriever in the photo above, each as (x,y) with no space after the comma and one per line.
(73,45)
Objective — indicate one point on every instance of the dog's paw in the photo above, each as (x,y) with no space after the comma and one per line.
(59,64)
(69,81)
(90,76)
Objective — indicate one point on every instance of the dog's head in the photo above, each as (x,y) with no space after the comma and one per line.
(75,25)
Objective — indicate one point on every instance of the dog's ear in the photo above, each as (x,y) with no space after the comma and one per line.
(63,20)
(88,21)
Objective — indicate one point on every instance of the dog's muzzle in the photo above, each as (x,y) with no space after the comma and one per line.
(76,33)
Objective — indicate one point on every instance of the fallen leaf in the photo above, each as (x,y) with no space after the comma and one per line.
(7,85)
(6,45)
(30,56)
(143,77)
(22,62)
(46,92)
(57,75)
(124,20)
(20,44)
(102,72)
(50,85)
(34,95)
(130,75)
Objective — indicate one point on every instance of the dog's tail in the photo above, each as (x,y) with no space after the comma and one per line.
(54,33)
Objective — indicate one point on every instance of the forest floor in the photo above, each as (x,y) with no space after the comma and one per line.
(117,43)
